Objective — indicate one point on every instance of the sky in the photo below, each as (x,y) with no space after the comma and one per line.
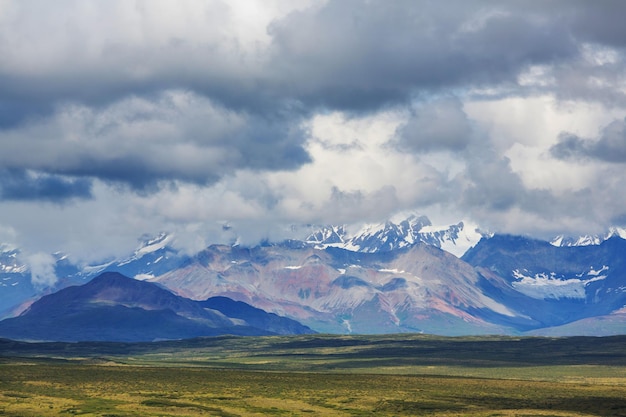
(122,119)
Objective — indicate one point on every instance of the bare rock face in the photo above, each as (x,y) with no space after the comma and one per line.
(420,288)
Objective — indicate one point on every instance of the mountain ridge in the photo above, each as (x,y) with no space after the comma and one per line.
(390,235)
(113,307)
(397,281)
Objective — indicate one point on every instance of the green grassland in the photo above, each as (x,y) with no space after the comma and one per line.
(317,375)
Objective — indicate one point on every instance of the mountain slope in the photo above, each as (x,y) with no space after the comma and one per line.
(254,317)
(419,288)
(114,307)
(551,285)
(15,280)
(153,257)
(156,256)
(395,279)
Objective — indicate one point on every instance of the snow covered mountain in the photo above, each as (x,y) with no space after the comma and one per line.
(504,284)
(388,236)
(554,286)
(587,240)
(9,264)
(17,283)
(153,257)
(389,277)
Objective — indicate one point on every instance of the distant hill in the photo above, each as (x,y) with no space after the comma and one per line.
(113,307)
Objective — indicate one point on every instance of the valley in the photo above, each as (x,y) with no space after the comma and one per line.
(387,375)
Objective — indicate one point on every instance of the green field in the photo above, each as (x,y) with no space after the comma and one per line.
(317,375)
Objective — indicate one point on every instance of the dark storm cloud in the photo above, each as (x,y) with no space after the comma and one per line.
(147,143)
(442,125)
(86,88)
(600,22)
(353,54)
(22,185)
(345,54)
(609,147)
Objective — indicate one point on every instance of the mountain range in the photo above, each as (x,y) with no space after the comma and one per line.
(113,307)
(398,276)
(402,233)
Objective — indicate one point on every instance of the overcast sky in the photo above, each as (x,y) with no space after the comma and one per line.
(124,118)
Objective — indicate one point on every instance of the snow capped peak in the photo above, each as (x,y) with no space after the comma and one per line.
(327,235)
(617,231)
(557,241)
(148,246)
(154,244)
(588,240)
(456,239)
(10,262)
(397,233)
(389,235)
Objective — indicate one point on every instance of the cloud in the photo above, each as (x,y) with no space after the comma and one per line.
(338,54)
(442,125)
(609,147)
(355,55)
(22,185)
(599,24)
(42,269)
(146,116)
(145,142)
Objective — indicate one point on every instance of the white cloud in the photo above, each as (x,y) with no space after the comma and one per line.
(42,269)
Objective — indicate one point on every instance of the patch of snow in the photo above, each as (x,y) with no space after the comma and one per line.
(619,231)
(557,241)
(293,267)
(94,269)
(393,271)
(153,245)
(548,286)
(595,273)
(467,238)
(144,277)
(150,246)
(13,269)
(351,247)
(497,307)
(588,240)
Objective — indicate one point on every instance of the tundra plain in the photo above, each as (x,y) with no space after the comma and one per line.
(317,375)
